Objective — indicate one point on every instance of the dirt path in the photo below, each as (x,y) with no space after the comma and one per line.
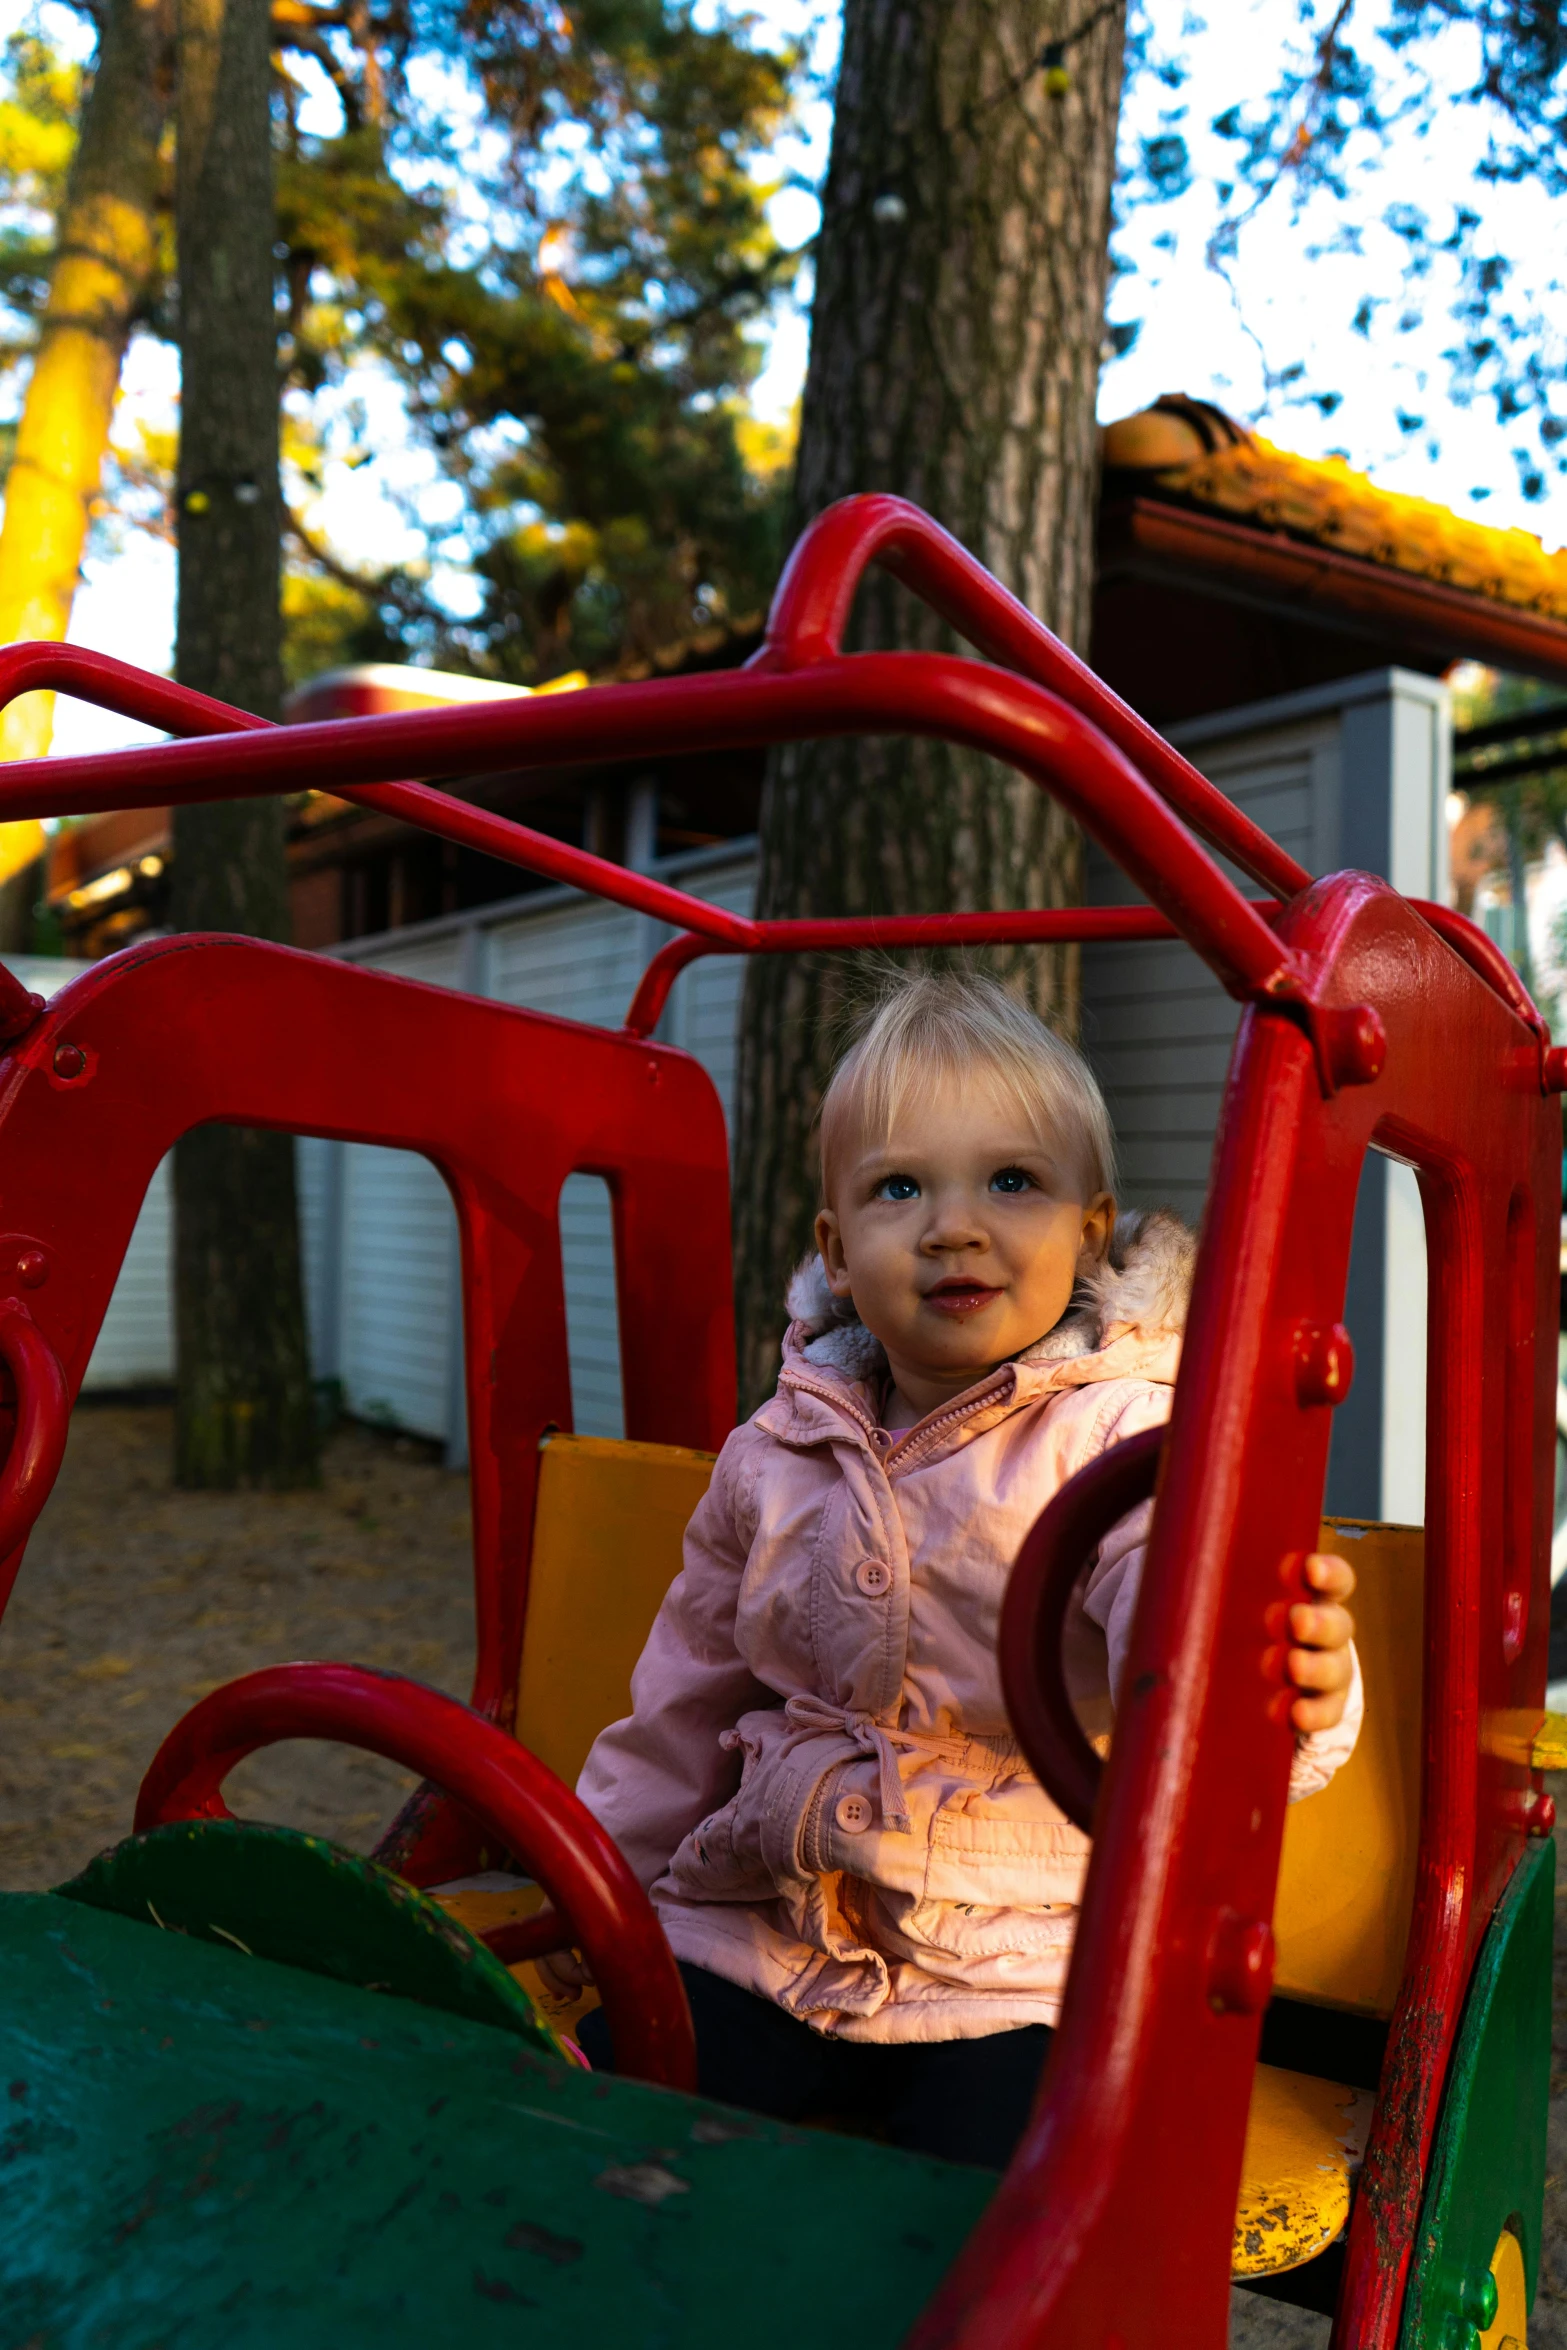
(135,1599)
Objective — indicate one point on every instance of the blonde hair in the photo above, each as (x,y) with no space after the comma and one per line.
(930,1025)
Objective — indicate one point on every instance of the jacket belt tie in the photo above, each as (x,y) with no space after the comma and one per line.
(871,1737)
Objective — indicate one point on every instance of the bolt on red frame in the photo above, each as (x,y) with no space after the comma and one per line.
(1367,1019)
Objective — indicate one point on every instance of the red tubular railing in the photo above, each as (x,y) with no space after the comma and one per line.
(1044,712)
(811,610)
(1074,925)
(872,693)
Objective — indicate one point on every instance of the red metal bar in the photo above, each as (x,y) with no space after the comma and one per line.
(811,609)
(518,1802)
(537,1937)
(993,710)
(43,1422)
(1027,926)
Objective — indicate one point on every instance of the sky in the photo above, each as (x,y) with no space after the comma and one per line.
(1226,339)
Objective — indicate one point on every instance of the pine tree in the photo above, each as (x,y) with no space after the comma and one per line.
(246,1405)
(955,341)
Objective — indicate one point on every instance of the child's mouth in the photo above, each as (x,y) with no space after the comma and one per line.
(960,1297)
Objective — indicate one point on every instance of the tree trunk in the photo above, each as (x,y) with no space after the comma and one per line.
(955,339)
(246,1405)
(105,256)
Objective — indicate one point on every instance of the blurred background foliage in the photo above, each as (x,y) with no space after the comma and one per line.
(545,237)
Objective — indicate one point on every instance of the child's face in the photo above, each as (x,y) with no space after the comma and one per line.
(957,1236)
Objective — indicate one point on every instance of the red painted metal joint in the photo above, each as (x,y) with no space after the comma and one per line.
(1240,1964)
(1324,1363)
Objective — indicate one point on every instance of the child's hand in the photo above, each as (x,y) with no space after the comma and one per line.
(1319,1666)
(567,1974)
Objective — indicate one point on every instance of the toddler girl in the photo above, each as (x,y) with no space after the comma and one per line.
(872,1897)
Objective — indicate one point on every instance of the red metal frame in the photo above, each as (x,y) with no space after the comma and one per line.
(506,1104)
(521,1805)
(1368,1019)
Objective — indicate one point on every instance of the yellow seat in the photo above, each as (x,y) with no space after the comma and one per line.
(1304,2141)
(607,1528)
(606,1546)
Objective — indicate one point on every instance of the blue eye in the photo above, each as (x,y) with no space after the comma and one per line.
(1011,1180)
(897,1187)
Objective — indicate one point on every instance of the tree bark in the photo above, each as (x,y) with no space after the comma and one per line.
(105,259)
(955,344)
(246,1404)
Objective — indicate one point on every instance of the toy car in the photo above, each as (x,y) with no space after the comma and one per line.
(258,2090)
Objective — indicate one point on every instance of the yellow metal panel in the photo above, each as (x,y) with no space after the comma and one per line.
(1506,2330)
(1304,2140)
(606,1547)
(1346,1883)
(1548,1748)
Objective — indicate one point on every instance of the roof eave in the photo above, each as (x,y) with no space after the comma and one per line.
(1154,538)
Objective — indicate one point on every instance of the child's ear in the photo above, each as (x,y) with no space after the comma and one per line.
(1098,1227)
(829,1243)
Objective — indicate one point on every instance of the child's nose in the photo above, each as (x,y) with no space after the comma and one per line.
(956,1224)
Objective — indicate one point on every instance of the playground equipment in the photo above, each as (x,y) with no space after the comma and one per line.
(260,2089)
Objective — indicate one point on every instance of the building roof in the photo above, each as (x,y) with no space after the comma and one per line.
(1188,450)
(1200,520)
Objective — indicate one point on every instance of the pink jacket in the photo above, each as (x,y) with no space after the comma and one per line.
(818,1781)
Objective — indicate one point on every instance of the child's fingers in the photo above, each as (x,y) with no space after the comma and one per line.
(1319,1670)
(1328,1574)
(1321,1627)
(1318,1713)
(565,1972)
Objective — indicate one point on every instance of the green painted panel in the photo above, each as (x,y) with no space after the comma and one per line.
(274,1893)
(202,2151)
(1488,2164)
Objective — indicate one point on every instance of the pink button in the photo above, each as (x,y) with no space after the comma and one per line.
(873,1577)
(853,1814)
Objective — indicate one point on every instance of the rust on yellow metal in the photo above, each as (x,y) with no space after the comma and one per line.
(1304,2141)
(1347,1876)
(1506,2330)
(607,1531)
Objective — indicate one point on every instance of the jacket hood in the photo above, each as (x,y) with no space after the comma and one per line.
(1127,1308)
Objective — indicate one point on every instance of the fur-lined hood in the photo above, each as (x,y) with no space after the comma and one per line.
(1125,1318)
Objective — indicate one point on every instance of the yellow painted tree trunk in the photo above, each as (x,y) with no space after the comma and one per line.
(106,252)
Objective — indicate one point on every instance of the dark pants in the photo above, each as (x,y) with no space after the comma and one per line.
(966,2100)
